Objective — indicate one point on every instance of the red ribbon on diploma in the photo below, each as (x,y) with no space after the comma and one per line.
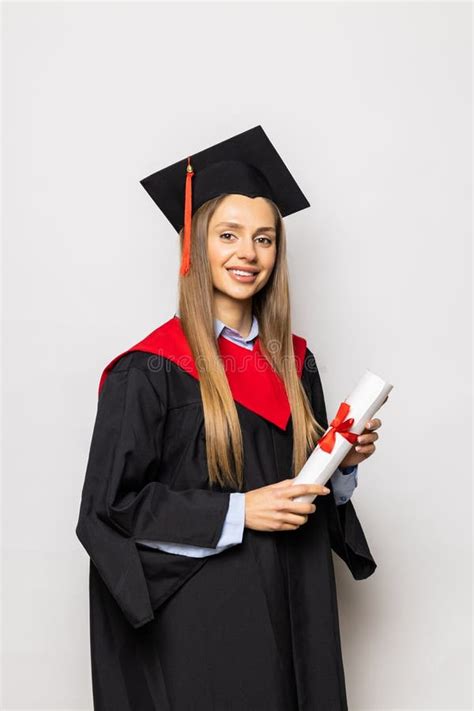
(341,425)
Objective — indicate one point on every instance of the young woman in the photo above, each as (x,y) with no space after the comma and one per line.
(210,587)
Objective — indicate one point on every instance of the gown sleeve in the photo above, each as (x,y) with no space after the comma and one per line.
(346,534)
(232,533)
(122,501)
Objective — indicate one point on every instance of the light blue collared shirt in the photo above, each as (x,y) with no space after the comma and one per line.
(220,329)
(233,528)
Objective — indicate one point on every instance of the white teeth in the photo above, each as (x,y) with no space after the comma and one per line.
(241,272)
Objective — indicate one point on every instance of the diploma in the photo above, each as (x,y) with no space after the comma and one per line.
(353,414)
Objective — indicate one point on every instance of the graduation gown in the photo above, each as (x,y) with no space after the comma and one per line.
(254,627)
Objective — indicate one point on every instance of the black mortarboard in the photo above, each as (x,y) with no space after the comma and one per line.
(246,164)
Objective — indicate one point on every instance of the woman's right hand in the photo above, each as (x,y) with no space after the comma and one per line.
(271,508)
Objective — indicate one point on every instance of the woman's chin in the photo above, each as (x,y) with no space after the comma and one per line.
(238,292)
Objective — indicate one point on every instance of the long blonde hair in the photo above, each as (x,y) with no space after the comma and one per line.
(271,306)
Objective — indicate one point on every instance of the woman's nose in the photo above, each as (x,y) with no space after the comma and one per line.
(246,249)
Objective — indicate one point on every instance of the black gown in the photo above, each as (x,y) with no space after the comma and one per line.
(254,627)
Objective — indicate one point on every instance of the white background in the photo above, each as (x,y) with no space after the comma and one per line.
(369,106)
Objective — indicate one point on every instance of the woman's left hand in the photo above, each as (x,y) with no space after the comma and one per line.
(365,446)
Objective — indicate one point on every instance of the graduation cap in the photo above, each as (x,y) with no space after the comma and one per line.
(246,164)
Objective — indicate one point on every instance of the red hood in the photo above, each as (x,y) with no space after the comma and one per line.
(252,381)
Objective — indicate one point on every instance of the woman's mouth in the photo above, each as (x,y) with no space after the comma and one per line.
(242,275)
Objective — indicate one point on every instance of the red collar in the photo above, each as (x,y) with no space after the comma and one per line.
(253,382)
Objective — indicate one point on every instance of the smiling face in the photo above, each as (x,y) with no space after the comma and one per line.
(241,246)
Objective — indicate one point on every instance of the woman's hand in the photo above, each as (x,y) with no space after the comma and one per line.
(271,508)
(365,446)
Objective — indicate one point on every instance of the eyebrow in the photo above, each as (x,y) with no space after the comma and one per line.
(236,225)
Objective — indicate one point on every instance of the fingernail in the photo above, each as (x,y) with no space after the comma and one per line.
(358,449)
(326,490)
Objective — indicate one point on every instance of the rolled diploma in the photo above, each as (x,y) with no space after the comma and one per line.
(366,398)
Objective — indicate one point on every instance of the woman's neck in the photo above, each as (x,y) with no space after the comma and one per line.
(235,314)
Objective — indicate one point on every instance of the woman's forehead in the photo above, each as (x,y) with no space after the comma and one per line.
(241,210)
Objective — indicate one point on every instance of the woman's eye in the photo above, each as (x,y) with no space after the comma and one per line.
(229,234)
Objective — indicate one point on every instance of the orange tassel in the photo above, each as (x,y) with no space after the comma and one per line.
(188,206)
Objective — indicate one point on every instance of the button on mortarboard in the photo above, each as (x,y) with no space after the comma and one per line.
(246,164)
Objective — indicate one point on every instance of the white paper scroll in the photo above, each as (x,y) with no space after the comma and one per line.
(366,398)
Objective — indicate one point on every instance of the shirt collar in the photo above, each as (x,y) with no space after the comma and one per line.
(220,327)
